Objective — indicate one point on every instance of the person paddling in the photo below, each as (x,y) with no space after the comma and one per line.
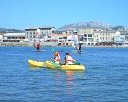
(57,57)
(68,59)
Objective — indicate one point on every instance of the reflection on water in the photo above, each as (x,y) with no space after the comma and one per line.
(69,83)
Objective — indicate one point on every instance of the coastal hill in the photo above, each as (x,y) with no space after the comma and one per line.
(79,25)
(91,24)
(5,30)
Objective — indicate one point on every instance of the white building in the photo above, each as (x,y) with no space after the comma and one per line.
(57,38)
(13,37)
(120,39)
(1,38)
(31,33)
(93,36)
(86,36)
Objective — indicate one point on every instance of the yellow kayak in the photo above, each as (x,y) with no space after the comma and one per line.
(52,65)
(33,63)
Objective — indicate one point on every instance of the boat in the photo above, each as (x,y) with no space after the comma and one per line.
(33,63)
(73,67)
(54,66)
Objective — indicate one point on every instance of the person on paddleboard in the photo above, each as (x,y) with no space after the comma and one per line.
(38,47)
(68,59)
(57,57)
(79,50)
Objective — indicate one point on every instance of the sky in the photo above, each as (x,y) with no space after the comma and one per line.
(21,14)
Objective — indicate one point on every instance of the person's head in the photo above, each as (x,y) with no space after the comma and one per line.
(56,53)
(67,53)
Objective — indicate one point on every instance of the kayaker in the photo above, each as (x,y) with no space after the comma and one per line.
(68,59)
(57,57)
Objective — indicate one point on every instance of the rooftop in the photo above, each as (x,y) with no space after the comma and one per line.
(39,27)
(14,34)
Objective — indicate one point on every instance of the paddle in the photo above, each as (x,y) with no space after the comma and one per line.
(52,51)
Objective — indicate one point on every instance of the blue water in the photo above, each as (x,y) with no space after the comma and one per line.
(104,80)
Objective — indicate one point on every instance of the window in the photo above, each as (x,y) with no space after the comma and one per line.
(53,31)
(64,37)
(85,35)
(89,35)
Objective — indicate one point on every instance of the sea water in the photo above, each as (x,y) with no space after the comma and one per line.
(104,80)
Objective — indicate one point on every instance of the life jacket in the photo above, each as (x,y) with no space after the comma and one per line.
(69,59)
(57,59)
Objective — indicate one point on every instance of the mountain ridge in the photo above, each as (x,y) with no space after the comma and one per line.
(89,24)
(9,30)
(78,25)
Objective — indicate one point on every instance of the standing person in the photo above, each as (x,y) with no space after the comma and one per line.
(57,57)
(37,45)
(80,48)
(68,59)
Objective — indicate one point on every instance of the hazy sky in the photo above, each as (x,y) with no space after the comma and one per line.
(27,13)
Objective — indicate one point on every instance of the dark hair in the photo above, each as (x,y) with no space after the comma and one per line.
(67,53)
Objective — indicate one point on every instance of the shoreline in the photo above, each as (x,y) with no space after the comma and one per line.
(26,44)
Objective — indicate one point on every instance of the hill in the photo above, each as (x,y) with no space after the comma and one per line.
(5,30)
(90,24)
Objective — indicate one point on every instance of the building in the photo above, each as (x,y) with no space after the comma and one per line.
(86,36)
(31,33)
(13,37)
(59,38)
(119,40)
(96,36)
(105,37)
(1,36)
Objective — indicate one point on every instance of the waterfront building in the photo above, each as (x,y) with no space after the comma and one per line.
(126,36)
(105,38)
(13,37)
(86,36)
(1,36)
(119,40)
(30,33)
(97,36)
(57,37)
